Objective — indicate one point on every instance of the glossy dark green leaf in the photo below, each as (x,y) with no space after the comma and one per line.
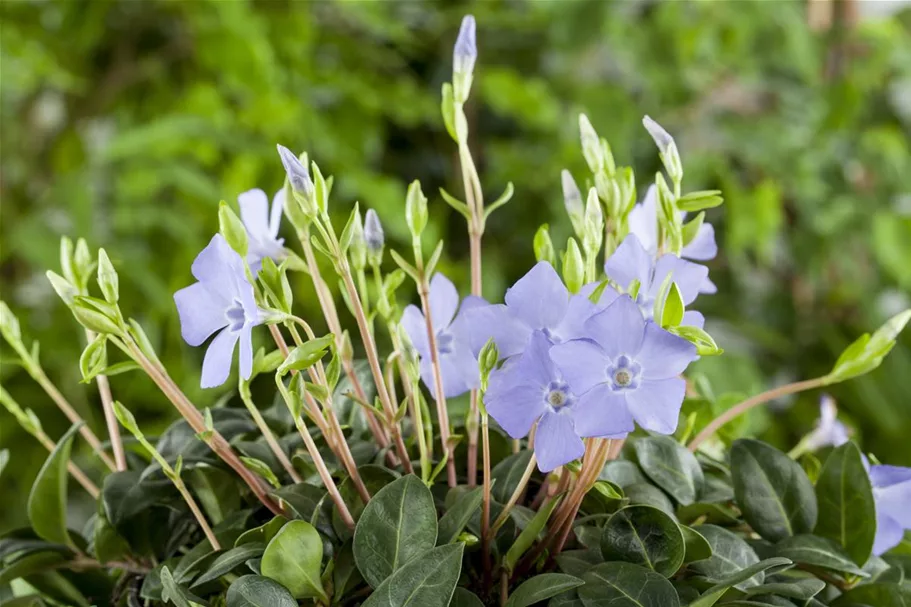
(462,597)
(577,562)
(803,588)
(174,593)
(568,598)
(622,473)
(508,473)
(262,534)
(649,495)
(875,595)
(670,466)
(455,519)
(742,578)
(193,561)
(540,588)
(344,570)
(258,591)
(108,544)
(697,547)
(847,514)
(293,559)
(626,585)
(428,579)
(645,536)
(730,555)
(375,479)
(819,552)
(399,523)
(31,563)
(776,497)
(228,560)
(47,500)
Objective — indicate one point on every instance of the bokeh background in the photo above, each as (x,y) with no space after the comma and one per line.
(126,122)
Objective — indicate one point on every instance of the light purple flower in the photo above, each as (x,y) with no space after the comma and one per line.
(262,226)
(892,494)
(531,388)
(828,431)
(539,301)
(643,222)
(458,365)
(632,262)
(221,300)
(628,371)
(465,51)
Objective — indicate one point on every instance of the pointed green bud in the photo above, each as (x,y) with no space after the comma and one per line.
(416,209)
(9,324)
(593,234)
(107,278)
(374,237)
(573,267)
(572,200)
(66,259)
(487,361)
(591,145)
(667,148)
(544,247)
(63,287)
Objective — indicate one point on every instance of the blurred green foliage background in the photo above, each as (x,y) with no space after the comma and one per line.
(127,122)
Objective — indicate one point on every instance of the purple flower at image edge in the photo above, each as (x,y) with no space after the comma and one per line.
(892,494)
(628,371)
(262,226)
(828,431)
(643,222)
(632,262)
(531,388)
(221,301)
(539,301)
(458,365)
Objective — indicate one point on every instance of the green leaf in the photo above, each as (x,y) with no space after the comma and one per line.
(109,545)
(456,204)
(258,591)
(803,589)
(172,592)
(47,500)
(505,197)
(293,559)
(304,356)
(847,513)
(447,107)
(697,547)
(455,519)
(645,536)
(670,466)
(650,495)
(34,562)
(228,560)
(262,534)
(399,523)
(868,351)
(819,552)
(577,562)
(530,533)
(774,492)
(875,595)
(730,555)
(344,571)
(738,579)
(462,597)
(429,579)
(699,201)
(507,475)
(542,587)
(673,307)
(626,585)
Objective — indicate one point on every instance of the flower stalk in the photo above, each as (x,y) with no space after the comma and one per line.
(107,404)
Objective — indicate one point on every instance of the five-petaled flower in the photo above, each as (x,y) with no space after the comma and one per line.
(892,494)
(643,222)
(627,371)
(222,300)
(458,365)
(262,226)
(632,262)
(539,301)
(531,388)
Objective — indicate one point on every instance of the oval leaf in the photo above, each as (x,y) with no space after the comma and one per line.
(730,555)
(429,579)
(774,492)
(399,523)
(626,585)
(542,587)
(737,579)
(455,519)
(258,591)
(47,500)
(293,559)
(646,536)
(820,552)
(671,466)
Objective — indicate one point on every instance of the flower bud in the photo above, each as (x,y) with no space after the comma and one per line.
(66,259)
(544,247)
(107,278)
(82,265)
(593,234)
(667,147)
(572,199)
(416,209)
(591,145)
(487,360)
(297,172)
(357,247)
(374,237)
(573,267)
(63,287)
(9,324)
(464,55)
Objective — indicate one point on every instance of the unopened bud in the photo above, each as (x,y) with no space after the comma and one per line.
(416,209)
(593,234)
(487,360)
(572,199)
(591,145)
(357,248)
(107,278)
(464,55)
(573,267)
(373,236)
(544,246)
(670,156)
(298,176)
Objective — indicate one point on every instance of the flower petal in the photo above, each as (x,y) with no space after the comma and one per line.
(889,533)
(582,362)
(703,246)
(245,358)
(579,310)
(689,277)
(216,366)
(556,442)
(692,318)
(495,321)
(655,404)
(514,407)
(663,354)
(444,300)
(601,412)
(254,212)
(201,313)
(892,492)
(643,221)
(619,328)
(451,375)
(539,299)
(416,328)
(275,214)
(628,263)
(216,266)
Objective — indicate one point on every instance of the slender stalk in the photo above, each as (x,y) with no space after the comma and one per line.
(318,461)
(214,439)
(107,405)
(514,498)
(592,477)
(504,587)
(755,401)
(485,501)
(197,513)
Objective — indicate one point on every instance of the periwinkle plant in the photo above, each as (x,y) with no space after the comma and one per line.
(351,487)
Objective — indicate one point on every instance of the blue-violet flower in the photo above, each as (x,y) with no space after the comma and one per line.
(828,431)
(643,222)
(262,226)
(892,494)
